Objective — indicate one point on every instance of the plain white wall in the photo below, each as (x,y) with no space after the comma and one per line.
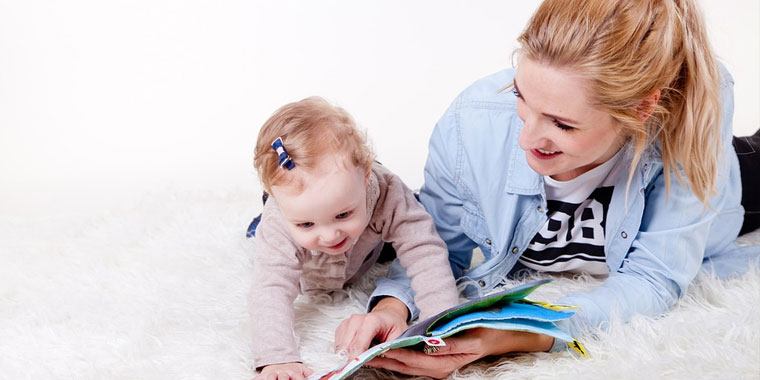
(104,100)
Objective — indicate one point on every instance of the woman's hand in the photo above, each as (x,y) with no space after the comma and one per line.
(285,371)
(387,320)
(461,350)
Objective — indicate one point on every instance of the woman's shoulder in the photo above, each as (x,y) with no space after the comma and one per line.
(490,91)
(726,79)
(486,104)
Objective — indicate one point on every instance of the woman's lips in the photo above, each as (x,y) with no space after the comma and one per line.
(544,156)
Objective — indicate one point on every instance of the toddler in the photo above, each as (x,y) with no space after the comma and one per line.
(330,211)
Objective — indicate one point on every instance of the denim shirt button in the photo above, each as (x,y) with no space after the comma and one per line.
(624,235)
(488,241)
(482,283)
(540,209)
(515,250)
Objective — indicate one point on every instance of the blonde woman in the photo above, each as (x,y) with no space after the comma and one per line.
(607,150)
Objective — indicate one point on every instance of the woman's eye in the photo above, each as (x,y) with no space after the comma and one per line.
(305,225)
(563,127)
(517,93)
(343,215)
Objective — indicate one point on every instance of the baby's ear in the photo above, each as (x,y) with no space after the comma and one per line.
(367,173)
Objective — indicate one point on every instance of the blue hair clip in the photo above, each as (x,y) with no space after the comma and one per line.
(282,154)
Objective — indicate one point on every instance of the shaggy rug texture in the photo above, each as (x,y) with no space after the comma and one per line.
(157,290)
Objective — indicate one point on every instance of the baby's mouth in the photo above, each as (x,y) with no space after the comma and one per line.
(340,244)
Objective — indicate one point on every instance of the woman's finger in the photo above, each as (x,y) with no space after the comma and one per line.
(461,344)
(415,359)
(402,367)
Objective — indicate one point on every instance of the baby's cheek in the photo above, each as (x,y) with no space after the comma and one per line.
(358,227)
(302,239)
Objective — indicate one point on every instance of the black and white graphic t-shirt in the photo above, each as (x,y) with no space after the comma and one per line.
(572,240)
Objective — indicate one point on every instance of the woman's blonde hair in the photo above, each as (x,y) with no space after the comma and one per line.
(310,129)
(629,50)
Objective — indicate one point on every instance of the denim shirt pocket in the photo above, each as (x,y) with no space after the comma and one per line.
(474,226)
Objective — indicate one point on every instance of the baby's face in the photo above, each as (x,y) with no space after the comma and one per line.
(330,213)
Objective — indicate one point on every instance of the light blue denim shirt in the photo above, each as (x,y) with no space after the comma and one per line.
(482,193)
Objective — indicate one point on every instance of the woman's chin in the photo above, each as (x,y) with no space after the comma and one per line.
(541,168)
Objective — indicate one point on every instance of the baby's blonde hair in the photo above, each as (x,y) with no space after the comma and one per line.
(310,129)
(628,50)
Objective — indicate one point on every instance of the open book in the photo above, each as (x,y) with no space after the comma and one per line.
(505,310)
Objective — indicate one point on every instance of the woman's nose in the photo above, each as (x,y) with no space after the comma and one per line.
(532,132)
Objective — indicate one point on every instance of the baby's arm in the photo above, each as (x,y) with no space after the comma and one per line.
(420,250)
(276,271)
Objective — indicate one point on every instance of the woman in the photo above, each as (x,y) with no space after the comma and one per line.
(606,151)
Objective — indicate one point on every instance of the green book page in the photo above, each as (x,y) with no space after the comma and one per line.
(355,363)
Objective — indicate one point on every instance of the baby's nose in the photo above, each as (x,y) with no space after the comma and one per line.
(331,237)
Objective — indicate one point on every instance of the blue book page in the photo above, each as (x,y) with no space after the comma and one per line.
(515,310)
(527,325)
(498,298)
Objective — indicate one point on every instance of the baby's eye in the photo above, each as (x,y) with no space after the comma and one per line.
(344,215)
(305,225)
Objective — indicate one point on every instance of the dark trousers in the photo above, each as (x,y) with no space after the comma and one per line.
(748,150)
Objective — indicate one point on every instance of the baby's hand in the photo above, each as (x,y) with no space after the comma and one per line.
(385,322)
(285,371)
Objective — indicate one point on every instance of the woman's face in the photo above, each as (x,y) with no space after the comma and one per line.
(564,135)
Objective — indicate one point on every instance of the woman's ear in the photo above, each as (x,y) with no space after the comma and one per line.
(647,105)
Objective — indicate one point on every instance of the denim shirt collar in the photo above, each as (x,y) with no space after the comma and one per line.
(521,178)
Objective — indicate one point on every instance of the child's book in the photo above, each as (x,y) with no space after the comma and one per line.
(505,310)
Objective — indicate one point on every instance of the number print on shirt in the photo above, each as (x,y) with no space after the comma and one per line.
(573,236)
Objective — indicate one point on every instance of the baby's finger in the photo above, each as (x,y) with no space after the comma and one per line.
(362,338)
(345,333)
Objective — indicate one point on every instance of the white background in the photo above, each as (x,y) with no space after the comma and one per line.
(101,101)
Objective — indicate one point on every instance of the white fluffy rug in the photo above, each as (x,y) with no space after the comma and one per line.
(157,290)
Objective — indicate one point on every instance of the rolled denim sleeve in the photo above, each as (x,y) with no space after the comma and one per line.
(664,258)
(395,284)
